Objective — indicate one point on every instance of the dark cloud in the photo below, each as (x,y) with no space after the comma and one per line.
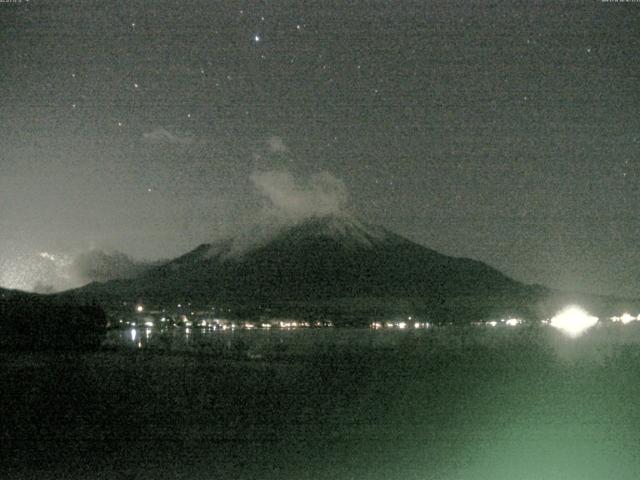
(100,266)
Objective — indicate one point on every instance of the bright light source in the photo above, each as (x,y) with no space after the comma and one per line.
(512,322)
(573,321)
(139,308)
(626,318)
(492,323)
(149,324)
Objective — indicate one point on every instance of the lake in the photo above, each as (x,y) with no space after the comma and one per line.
(437,403)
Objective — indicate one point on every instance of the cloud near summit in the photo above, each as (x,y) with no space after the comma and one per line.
(318,194)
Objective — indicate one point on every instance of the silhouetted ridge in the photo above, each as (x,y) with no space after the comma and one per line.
(42,322)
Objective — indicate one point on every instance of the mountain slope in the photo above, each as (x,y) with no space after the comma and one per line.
(316,261)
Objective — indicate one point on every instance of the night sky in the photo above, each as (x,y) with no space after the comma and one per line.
(505,131)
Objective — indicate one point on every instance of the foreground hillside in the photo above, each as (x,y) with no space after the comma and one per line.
(37,322)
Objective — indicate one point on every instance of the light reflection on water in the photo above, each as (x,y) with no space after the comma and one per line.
(493,413)
(596,344)
(255,342)
(507,414)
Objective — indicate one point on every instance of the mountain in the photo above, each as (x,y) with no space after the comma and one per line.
(330,263)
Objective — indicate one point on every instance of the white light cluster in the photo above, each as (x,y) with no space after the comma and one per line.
(573,321)
(509,322)
(625,318)
(402,325)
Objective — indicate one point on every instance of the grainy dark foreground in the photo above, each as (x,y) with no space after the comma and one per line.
(468,403)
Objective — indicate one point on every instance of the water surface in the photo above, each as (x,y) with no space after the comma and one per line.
(449,403)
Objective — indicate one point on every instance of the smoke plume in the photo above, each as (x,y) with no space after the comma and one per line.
(320,194)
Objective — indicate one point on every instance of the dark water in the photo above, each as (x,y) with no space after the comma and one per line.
(449,403)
